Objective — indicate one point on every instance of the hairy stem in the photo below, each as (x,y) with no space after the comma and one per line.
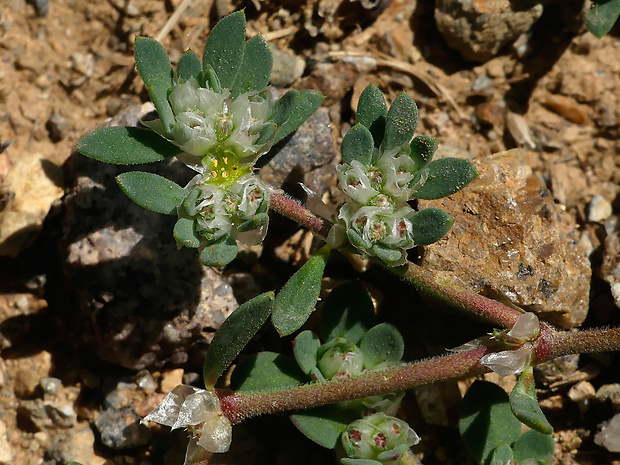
(240,405)
(554,344)
(456,296)
(295,211)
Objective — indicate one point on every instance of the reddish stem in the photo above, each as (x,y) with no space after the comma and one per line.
(295,211)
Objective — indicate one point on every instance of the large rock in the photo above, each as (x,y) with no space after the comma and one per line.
(511,241)
(478,29)
(143,302)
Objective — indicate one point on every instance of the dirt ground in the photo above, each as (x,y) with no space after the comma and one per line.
(556,93)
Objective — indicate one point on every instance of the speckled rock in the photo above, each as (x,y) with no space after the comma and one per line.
(143,302)
(6,452)
(121,429)
(76,444)
(610,268)
(512,242)
(609,436)
(478,29)
(556,370)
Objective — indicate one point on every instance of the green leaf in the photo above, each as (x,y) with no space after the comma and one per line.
(389,255)
(256,67)
(445,177)
(297,299)
(357,145)
(347,461)
(524,403)
(225,48)
(348,312)
(601,16)
(220,253)
(323,425)
(267,133)
(534,445)
(422,150)
(502,455)
(189,66)
(292,110)
(156,71)
(382,343)
(256,222)
(372,112)
(126,146)
(402,120)
(357,240)
(234,334)
(185,233)
(211,78)
(190,203)
(305,347)
(152,191)
(266,370)
(429,225)
(486,421)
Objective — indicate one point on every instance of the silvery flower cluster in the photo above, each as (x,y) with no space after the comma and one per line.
(377,213)
(379,438)
(198,411)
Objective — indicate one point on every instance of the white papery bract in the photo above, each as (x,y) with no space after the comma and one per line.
(208,124)
(199,411)
(354,182)
(508,362)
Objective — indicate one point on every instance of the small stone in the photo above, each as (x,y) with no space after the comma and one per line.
(75,445)
(609,392)
(121,429)
(57,127)
(41,7)
(581,393)
(34,185)
(609,436)
(6,452)
(556,370)
(610,268)
(600,209)
(145,381)
(171,379)
(26,383)
(287,67)
(478,29)
(567,107)
(50,385)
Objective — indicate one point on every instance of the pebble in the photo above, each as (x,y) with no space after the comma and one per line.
(75,445)
(609,392)
(57,127)
(287,67)
(50,385)
(6,452)
(599,210)
(170,379)
(581,393)
(479,29)
(555,370)
(25,383)
(609,436)
(121,429)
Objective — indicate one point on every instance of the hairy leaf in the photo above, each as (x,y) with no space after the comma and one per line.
(422,150)
(305,347)
(402,119)
(225,48)
(234,334)
(382,343)
(293,109)
(126,146)
(189,66)
(601,16)
(266,370)
(536,446)
(444,177)
(524,403)
(185,233)
(486,421)
(357,145)
(256,67)
(372,112)
(430,224)
(156,71)
(220,253)
(323,425)
(297,299)
(348,312)
(152,191)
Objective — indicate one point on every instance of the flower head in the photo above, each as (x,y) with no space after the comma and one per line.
(199,412)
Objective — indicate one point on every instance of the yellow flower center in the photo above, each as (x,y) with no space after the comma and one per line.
(224,168)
